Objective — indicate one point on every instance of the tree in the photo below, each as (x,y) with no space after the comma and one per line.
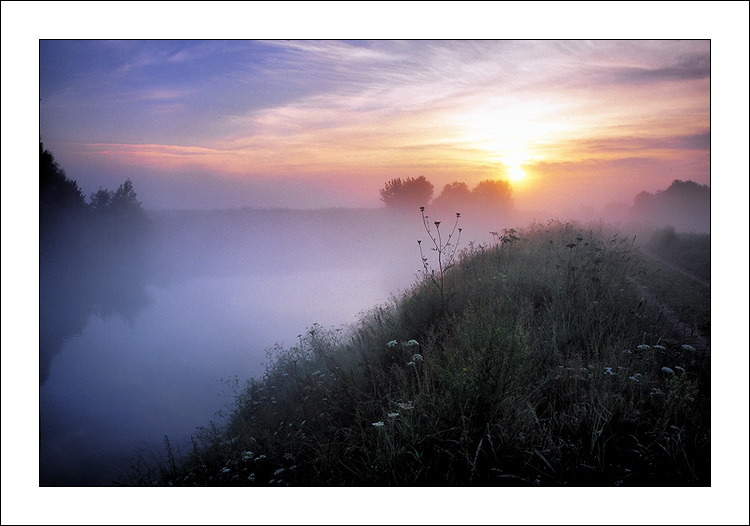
(100,201)
(60,199)
(455,196)
(493,193)
(686,205)
(125,197)
(409,193)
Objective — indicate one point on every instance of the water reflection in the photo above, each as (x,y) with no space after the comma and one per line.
(134,345)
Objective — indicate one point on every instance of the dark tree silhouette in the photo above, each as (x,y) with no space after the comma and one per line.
(493,194)
(686,205)
(405,194)
(60,200)
(455,196)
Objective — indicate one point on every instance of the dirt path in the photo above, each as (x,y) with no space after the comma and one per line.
(674,267)
(688,333)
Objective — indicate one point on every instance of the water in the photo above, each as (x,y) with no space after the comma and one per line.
(122,384)
(139,343)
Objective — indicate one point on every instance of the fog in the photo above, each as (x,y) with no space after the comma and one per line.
(142,337)
(139,345)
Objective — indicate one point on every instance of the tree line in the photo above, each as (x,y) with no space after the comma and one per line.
(65,213)
(413,192)
(684,204)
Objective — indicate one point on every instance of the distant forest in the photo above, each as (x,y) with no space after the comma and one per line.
(685,204)
(117,217)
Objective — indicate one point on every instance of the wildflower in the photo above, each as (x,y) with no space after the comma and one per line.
(392,415)
(410,363)
(405,406)
(678,368)
(656,391)
(417,358)
(660,347)
(412,343)
(225,470)
(251,477)
(608,370)
(378,424)
(288,456)
(643,347)
(391,344)
(260,457)
(247,455)
(667,370)
(636,377)
(687,347)
(278,472)
(627,351)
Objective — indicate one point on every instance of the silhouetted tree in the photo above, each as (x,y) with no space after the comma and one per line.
(409,193)
(493,194)
(100,201)
(455,196)
(60,199)
(686,205)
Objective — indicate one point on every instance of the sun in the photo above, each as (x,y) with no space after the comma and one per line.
(516,173)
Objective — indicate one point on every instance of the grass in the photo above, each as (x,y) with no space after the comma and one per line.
(534,362)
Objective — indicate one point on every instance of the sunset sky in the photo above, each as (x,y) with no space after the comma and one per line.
(314,123)
(319,122)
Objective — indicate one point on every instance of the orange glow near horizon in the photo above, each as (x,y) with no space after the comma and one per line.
(564,121)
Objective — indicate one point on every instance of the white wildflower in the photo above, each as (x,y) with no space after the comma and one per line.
(392,415)
(667,370)
(406,406)
(278,472)
(378,424)
(410,363)
(678,368)
(251,477)
(609,371)
(247,455)
(412,343)
(392,344)
(225,470)
(417,358)
(643,347)
(660,347)
(687,347)
(636,377)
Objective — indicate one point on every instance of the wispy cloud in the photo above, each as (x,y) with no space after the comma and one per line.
(252,108)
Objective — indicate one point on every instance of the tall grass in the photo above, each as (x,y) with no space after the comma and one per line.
(543,366)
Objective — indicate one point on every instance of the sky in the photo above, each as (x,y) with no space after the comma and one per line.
(420,117)
(318,123)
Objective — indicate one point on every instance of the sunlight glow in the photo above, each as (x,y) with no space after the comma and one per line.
(516,173)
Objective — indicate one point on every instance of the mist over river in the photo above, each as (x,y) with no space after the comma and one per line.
(136,346)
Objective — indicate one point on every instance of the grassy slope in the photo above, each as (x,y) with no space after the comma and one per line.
(537,363)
